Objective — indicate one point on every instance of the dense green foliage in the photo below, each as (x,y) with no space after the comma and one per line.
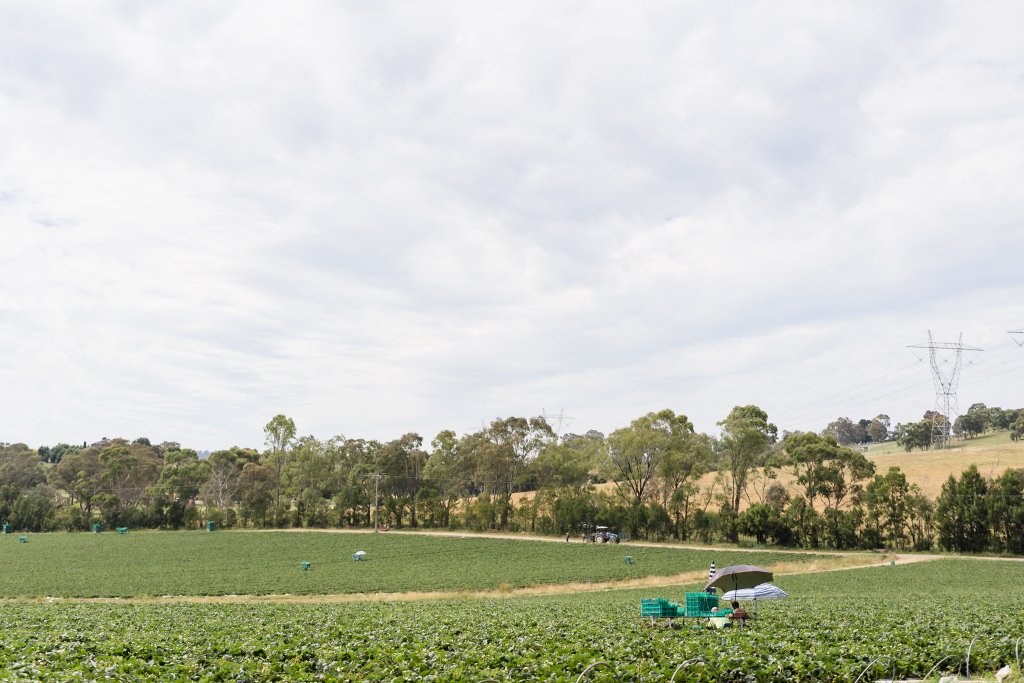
(655,469)
(831,628)
(237,562)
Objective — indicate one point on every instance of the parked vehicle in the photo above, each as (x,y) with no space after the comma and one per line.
(601,534)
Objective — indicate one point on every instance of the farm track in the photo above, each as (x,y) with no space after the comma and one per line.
(835,561)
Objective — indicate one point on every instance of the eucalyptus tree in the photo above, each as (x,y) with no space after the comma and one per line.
(1006,511)
(78,475)
(558,470)
(279,433)
(310,480)
(220,490)
(21,470)
(963,512)
(445,474)
(824,468)
(401,461)
(176,490)
(747,436)
(502,454)
(354,474)
(892,503)
(255,492)
(128,472)
(656,442)
(687,458)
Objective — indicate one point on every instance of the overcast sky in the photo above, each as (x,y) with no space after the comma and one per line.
(388,217)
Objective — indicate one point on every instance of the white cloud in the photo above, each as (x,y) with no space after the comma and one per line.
(409,217)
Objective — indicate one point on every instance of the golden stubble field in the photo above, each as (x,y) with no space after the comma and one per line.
(992,454)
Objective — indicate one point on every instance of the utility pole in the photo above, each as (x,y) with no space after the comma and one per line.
(376,501)
(946,380)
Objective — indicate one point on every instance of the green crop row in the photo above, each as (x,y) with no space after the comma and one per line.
(226,562)
(831,628)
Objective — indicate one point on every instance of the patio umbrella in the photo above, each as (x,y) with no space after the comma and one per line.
(739,576)
(766,591)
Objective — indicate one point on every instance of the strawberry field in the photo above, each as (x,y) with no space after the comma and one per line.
(834,625)
(260,563)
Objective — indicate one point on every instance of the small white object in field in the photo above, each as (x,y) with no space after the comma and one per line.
(950,679)
(1003,673)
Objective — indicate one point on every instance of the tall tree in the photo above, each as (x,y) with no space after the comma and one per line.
(889,499)
(824,468)
(746,437)
(402,461)
(687,459)
(78,474)
(914,435)
(636,452)
(280,433)
(181,477)
(878,428)
(255,492)
(962,512)
(503,453)
(221,486)
(21,470)
(129,470)
(845,431)
(1006,511)
(446,472)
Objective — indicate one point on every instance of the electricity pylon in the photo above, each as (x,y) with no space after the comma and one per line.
(1014,334)
(560,416)
(946,381)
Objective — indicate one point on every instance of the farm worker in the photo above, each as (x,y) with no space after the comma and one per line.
(738,613)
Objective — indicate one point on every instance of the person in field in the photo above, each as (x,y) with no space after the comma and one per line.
(738,614)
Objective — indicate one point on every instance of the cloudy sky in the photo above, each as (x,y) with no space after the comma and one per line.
(388,217)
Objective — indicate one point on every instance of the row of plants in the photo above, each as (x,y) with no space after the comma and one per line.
(156,563)
(831,629)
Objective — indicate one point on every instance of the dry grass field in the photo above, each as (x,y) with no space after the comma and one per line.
(992,454)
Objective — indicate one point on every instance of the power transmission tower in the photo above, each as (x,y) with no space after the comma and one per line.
(1014,334)
(946,380)
(560,416)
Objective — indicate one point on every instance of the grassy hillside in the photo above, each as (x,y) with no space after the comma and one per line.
(992,453)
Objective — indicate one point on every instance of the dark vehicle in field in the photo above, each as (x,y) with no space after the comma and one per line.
(599,534)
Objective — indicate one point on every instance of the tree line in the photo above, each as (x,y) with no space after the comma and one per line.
(978,420)
(656,478)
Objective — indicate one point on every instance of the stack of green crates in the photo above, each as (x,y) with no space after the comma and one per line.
(658,608)
(700,604)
